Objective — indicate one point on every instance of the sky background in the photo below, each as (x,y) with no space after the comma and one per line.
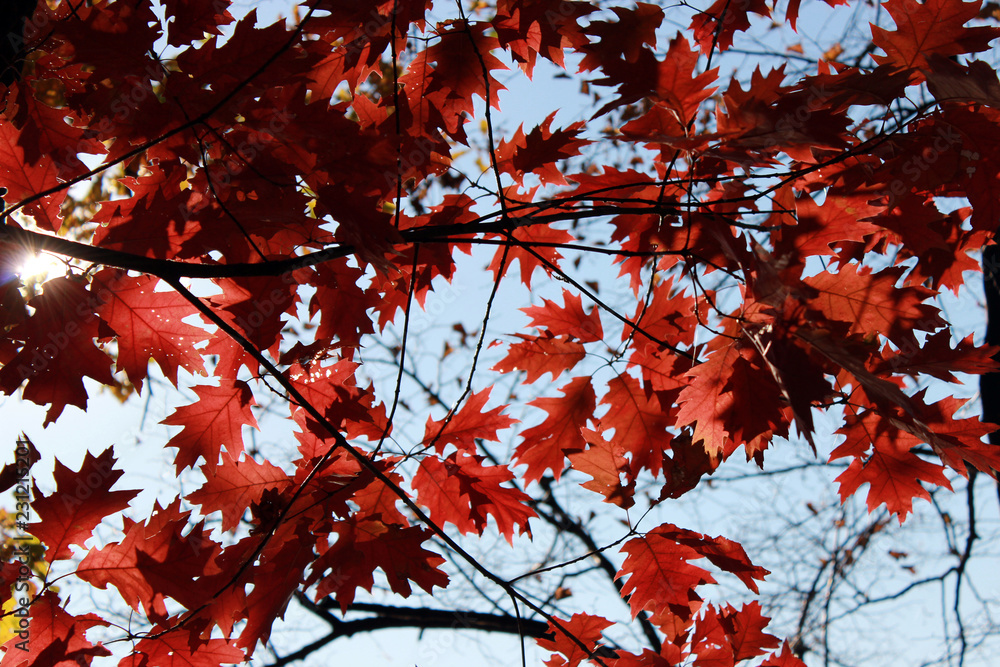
(734,511)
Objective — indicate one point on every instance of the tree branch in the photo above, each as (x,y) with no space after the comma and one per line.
(420,618)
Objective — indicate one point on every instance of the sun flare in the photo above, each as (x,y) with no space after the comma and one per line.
(40,267)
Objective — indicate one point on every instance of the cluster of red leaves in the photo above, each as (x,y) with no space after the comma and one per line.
(268,162)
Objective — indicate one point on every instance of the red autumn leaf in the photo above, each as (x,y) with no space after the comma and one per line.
(685,468)
(547,239)
(540,27)
(152,561)
(639,420)
(148,324)
(819,229)
(343,306)
(461,491)
(605,463)
(154,221)
(443,79)
(81,501)
(174,650)
(871,303)
(545,446)
(680,87)
(705,402)
(785,658)
(470,422)
(363,546)
(939,359)
(714,28)
(280,572)
(332,389)
(657,573)
(567,320)
(234,485)
(538,355)
(745,630)
(934,27)
(11,473)
(215,420)
(24,179)
(893,473)
(58,349)
(725,554)
(194,18)
(538,151)
(47,134)
(587,628)
(56,637)
(948,80)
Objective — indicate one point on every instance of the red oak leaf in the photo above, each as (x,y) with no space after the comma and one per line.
(59,349)
(786,658)
(343,306)
(24,179)
(939,359)
(705,403)
(669,316)
(605,463)
(57,639)
(658,573)
(148,324)
(819,228)
(364,546)
(538,355)
(47,136)
(547,238)
(545,446)
(640,423)
(232,486)
(461,491)
(81,501)
(215,420)
(714,28)
(332,389)
(153,560)
(934,27)
(871,303)
(689,463)
(744,628)
(280,573)
(529,28)
(583,627)
(538,151)
(155,221)
(567,320)
(194,18)
(174,649)
(679,88)
(469,423)
(893,473)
